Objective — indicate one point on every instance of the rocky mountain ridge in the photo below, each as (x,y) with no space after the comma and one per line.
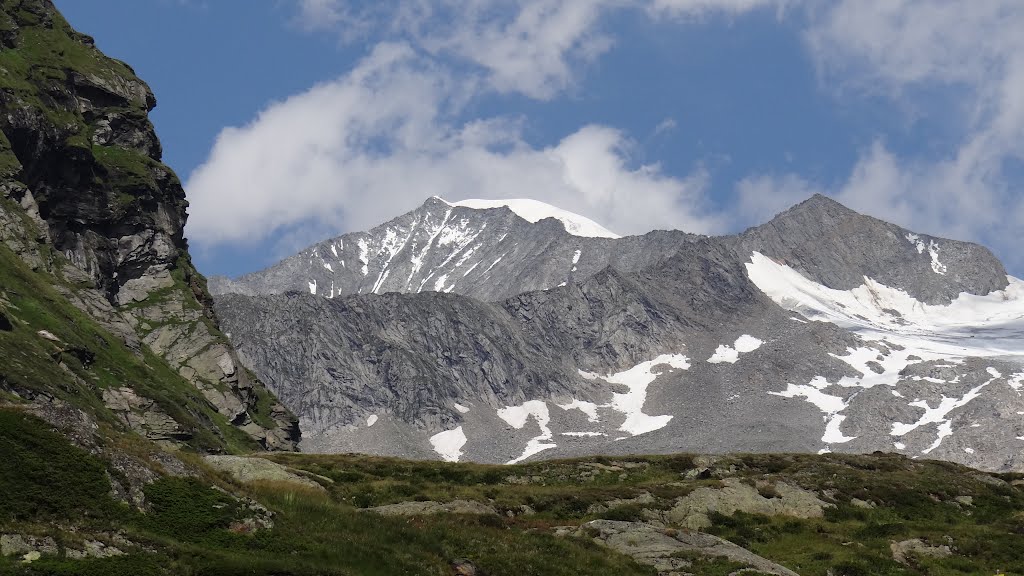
(488,253)
(695,348)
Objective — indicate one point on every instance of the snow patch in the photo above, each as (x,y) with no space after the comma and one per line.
(830,405)
(439,285)
(516,417)
(576,257)
(724,353)
(462,409)
(371,420)
(583,434)
(833,435)
(449,444)
(933,251)
(312,287)
(730,354)
(972,325)
(631,403)
(588,408)
(937,415)
(747,343)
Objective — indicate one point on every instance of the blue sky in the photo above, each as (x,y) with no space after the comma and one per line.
(291,121)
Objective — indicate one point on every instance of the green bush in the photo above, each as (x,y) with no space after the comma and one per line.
(188,510)
(43,477)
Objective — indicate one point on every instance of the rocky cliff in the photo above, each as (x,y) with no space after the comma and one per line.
(87,203)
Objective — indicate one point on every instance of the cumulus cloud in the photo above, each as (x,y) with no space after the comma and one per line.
(352,152)
(356,151)
(532,47)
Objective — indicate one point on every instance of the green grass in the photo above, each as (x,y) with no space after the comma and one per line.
(44,478)
(33,363)
(913,499)
(192,525)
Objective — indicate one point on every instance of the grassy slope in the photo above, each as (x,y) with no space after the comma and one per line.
(187,529)
(34,363)
(56,485)
(913,500)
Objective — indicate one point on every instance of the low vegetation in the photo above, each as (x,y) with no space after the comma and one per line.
(213,525)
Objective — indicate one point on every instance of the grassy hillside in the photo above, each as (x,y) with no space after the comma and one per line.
(211,524)
(84,360)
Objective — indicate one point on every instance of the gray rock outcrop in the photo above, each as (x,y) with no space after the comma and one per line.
(664,548)
(253,469)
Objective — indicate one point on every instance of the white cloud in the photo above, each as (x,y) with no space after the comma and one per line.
(700,8)
(537,48)
(350,153)
(354,152)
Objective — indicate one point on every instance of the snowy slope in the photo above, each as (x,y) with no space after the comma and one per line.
(535,211)
(902,336)
(971,325)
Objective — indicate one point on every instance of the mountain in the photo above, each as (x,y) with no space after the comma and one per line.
(127,420)
(105,324)
(483,249)
(821,330)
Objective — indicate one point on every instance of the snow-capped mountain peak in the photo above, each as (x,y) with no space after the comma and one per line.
(535,211)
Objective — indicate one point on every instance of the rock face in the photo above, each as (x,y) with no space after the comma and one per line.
(87,200)
(429,508)
(837,247)
(820,330)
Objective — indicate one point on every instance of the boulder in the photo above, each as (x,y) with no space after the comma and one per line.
(248,469)
(664,549)
(692,510)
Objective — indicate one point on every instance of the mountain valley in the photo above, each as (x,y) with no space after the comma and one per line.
(522,391)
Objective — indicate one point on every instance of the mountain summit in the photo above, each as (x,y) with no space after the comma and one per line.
(471,333)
